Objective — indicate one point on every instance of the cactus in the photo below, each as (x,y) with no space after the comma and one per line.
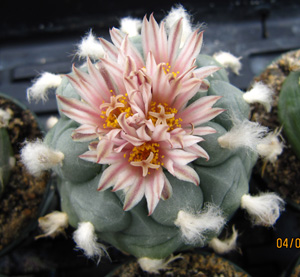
(162,125)
(289,110)
(6,152)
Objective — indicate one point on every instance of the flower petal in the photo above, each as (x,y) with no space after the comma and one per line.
(93,145)
(198,109)
(129,50)
(160,40)
(211,114)
(189,140)
(174,41)
(180,157)
(204,86)
(90,156)
(79,111)
(109,48)
(105,145)
(162,91)
(117,37)
(85,129)
(85,133)
(168,163)
(186,173)
(197,150)
(104,148)
(160,133)
(151,64)
(189,51)
(124,125)
(110,175)
(127,177)
(120,148)
(153,189)
(112,158)
(134,194)
(188,90)
(115,71)
(130,66)
(154,39)
(76,136)
(131,139)
(167,189)
(205,71)
(202,131)
(110,85)
(142,134)
(86,88)
(99,80)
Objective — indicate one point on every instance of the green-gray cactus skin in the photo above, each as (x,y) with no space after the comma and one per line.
(223,181)
(6,153)
(289,110)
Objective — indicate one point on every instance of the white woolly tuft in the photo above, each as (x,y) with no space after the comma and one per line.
(194,226)
(39,90)
(131,26)
(38,157)
(91,47)
(86,239)
(229,61)
(154,265)
(5,116)
(243,134)
(53,224)
(226,245)
(51,121)
(270,147)
(174,15)
(263,209)
(260,93)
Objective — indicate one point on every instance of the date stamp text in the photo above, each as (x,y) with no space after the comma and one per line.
(288,243)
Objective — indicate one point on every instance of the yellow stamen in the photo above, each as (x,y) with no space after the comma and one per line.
(163,114)
(142,152)
(167,70)
(113,109)
(146,157)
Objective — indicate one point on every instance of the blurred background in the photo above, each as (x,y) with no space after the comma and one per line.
(39,36)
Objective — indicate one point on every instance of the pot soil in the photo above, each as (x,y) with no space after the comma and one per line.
(24,194)
(284,176)
(191,264)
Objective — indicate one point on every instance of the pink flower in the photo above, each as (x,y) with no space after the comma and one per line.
(134,108)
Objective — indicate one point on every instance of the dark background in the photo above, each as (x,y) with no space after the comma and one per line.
(38,36)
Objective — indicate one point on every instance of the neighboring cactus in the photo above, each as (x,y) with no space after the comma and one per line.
(6,151)
(25,198)
(280,168)
(134,121)
(289,110)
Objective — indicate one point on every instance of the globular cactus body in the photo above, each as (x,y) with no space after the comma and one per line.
(6,155)
(147,120)
(7,159)
(289,110)
(223,180)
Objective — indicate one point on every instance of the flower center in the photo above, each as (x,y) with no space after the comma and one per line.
(163,114)
(146,156)
(118,104)
(142,152)
(167,69)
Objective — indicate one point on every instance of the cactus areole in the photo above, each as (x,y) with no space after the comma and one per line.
(139,132)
